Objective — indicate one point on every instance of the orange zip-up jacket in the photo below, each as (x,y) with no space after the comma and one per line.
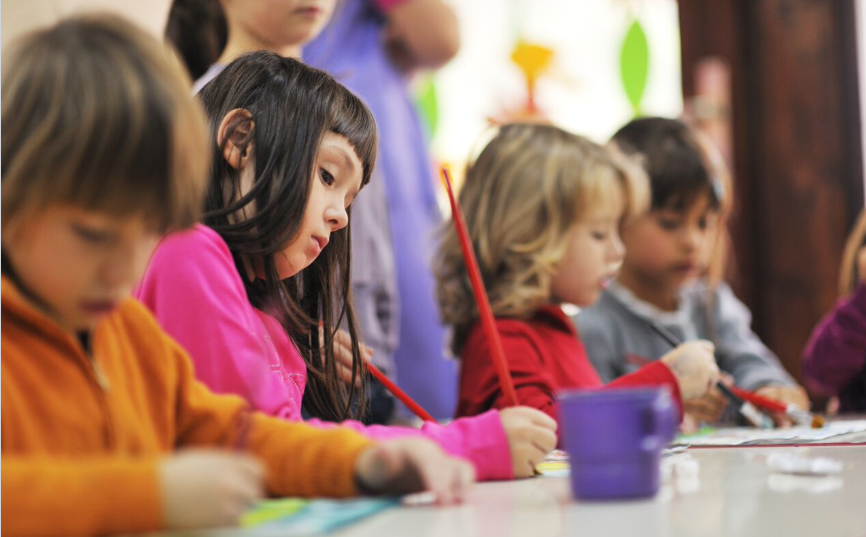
(83,434)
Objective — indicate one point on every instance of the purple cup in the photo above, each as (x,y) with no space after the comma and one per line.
(614,439)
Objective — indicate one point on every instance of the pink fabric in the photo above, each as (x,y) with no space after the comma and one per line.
(192,286)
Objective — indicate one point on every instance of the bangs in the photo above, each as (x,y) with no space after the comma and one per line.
(96,115)
(353,120)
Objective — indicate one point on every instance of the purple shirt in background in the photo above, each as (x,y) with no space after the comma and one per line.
(351,49)
(834,363)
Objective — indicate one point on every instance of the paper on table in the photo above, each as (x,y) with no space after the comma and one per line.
(738,436)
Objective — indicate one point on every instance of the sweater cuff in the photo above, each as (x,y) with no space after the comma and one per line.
(137,508)
(481,440)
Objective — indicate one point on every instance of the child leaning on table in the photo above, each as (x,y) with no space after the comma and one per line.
(103,152)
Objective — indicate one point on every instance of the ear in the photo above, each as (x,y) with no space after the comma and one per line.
(235,137)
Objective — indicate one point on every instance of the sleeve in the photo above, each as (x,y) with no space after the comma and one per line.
(480,439)
(42,496)
(532,382)
(597,334)
(739,351)
(654,374)
(193,288)
(836,352)
(300,460)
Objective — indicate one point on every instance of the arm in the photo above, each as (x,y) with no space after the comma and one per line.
(479,439)
(654,374)
(837,349)
(420,33)
(300,460)
(192,287)
(43,496)
(739,351)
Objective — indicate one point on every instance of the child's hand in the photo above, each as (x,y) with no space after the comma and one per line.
(694,366)
(707,408)
(786,394)
(343,355)
(203,488)
(531,436)
(410,465)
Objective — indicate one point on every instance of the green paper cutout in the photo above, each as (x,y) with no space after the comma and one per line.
(634,64)
(428,106)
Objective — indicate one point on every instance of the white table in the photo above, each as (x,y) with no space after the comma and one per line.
(735,493)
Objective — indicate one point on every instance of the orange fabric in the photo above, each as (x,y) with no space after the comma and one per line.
(82,437)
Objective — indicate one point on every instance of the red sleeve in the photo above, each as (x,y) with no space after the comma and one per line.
(479,384)
(654,374)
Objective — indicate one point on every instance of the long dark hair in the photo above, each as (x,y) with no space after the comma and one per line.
(293,106)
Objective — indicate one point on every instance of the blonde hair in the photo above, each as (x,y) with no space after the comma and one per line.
(848,276)
(521,198)
(97,114)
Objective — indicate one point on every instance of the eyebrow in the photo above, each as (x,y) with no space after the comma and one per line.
(347,160)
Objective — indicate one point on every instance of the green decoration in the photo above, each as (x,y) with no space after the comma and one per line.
(427,105)
(634,64)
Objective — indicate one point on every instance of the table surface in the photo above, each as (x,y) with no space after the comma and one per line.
(734,493)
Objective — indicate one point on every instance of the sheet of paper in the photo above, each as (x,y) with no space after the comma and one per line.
(836,431)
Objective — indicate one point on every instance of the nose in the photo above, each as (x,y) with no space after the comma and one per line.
(122,270)
(616,249)
(693,237)
(337,216)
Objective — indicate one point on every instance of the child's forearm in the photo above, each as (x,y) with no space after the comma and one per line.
(306,461)
(89,496)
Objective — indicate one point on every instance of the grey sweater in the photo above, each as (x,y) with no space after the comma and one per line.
(618,338)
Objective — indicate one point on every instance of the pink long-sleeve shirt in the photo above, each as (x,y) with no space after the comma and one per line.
(194,289)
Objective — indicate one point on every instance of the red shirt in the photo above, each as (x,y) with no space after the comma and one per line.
(544,355)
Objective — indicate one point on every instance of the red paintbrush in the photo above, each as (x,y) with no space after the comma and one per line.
(797,414)
(484,310)
(399,394)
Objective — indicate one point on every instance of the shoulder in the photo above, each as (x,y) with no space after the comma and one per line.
(601,317)
(200,244)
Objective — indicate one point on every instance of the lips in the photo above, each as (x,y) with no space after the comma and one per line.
(99,307)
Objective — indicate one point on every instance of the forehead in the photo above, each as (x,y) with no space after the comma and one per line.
(338,146)
(701,204)
(605,201)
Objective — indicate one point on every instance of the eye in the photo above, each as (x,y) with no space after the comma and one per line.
(92,236)
(599,235)
(703,223)
(327,178)
(668,223)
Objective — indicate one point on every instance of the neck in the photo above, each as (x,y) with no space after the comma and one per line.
(241,42)
(663,296)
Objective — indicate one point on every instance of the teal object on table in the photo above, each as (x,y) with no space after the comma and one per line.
(293,516)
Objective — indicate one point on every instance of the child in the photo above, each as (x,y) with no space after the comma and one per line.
(103,151)
(281,27)
(834,363)
(247,293)
(543,207)
(666,250)
(373,277)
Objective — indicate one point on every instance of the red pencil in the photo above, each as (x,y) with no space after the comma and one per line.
(484,310)
(399,394)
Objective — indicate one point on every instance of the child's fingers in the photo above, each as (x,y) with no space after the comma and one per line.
(545,440)
(542,420)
